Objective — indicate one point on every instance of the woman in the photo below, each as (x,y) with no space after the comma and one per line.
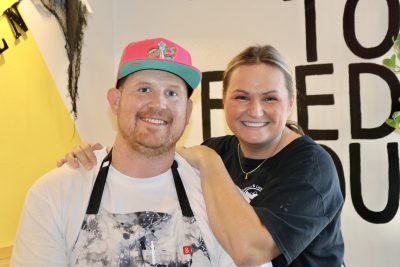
(291,214)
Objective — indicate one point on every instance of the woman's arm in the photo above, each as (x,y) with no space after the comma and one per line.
(233,221)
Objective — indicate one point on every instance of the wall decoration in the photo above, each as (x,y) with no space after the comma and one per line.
(71,16)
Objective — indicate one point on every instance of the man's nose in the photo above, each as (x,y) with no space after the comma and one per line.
(158,99)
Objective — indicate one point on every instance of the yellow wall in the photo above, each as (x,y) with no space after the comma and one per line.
(36,128)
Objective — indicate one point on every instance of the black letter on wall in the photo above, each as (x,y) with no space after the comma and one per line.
(339,169)
(350,34)
(304,100)
(4,48)
(206,102)
(355,103)
(15,20)
(311,33)
(392,204)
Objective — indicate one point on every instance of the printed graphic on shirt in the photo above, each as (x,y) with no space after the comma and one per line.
(140,239)
(252,191)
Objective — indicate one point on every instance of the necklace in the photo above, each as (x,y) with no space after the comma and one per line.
(256,168)
(241,168)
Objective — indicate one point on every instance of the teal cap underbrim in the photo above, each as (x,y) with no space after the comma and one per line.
(190,75)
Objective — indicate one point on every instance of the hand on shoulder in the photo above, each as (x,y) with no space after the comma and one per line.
(197,156)
(82,154)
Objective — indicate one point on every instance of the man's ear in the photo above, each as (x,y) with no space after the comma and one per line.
(189,109)
(113,97)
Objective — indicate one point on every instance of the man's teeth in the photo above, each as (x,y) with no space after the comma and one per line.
(254,124)
(155,121)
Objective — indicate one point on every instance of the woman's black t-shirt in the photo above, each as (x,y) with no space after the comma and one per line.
(296,194)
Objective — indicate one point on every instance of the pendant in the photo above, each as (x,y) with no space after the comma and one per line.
(246,176)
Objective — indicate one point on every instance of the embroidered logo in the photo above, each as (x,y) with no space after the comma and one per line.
(162,51)
(187,250)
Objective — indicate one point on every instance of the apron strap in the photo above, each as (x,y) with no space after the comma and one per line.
(98,188)
(180,190)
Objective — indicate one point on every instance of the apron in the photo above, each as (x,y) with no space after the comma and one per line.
(143,238)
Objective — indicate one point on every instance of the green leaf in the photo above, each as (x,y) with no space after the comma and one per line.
(391,123)
(396,47)
(390,62)
(396,115)
(397,39)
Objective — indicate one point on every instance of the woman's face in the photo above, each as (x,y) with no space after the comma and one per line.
(257,105)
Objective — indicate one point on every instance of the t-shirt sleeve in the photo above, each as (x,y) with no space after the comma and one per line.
(301,203)
(210,142)
(39,241)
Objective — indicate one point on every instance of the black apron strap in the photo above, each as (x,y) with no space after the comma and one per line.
(180,190)
(99,184)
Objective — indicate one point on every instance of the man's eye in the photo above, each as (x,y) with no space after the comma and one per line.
(171,93)
(144,89)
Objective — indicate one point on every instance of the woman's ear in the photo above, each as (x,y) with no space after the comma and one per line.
(113,97)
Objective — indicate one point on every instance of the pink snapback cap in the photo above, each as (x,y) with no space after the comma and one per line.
(158,54)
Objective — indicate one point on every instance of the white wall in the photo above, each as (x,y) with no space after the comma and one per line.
(98,71)
(214,31)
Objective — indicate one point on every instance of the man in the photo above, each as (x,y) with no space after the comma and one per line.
(143,205)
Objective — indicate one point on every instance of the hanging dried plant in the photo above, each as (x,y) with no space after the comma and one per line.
(71,16)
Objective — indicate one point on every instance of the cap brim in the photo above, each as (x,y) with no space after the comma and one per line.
(190,75)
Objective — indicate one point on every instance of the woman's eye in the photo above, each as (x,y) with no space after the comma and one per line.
(241,97)
(270,99)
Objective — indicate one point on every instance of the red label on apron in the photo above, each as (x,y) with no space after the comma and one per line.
(187,250)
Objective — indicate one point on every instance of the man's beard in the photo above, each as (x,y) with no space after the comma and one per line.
(150,147)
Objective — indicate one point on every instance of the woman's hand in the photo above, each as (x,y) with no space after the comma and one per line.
(197,156)
(82,154)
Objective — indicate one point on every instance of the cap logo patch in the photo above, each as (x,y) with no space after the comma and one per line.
(162,52)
